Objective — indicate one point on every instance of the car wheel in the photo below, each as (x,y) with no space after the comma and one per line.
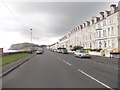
(89,57)
(80,56)
(76,56)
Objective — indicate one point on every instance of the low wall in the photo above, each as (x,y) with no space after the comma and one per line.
(1,51)
(115,55)
(9,53)
(95,53)
(71,51)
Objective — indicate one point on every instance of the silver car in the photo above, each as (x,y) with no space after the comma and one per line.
(82,54)
(39,51)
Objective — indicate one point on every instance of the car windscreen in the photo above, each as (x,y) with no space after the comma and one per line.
(65,50)
(82,51)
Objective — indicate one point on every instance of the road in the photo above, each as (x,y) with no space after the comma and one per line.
(55,70)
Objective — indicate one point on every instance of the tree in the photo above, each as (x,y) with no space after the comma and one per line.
(76,48)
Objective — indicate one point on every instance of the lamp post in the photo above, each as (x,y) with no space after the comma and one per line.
(31,35)
(31,41)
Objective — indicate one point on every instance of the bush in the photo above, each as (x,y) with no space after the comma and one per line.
(76,48)
(88,49)
(97,50)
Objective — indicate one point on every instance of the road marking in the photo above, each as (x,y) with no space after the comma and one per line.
(64,61)
(95,79)
(100,63)
(59,58)
(115,67)
(108,65)
(95,62)
(67,62)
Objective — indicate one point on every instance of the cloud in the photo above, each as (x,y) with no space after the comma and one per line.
(49,20)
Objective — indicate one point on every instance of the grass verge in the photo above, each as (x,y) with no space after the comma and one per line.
(13,57)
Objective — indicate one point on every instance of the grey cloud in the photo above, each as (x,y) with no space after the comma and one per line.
(65,16)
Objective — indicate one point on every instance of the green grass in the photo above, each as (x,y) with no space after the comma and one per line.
(13,57)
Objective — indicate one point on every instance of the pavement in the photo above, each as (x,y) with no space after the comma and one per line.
(8,67)
(55,70)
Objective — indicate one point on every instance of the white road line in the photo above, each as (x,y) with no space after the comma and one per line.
(108,65)
(103,64)
(67,62)
(100,63)
(64,61)
(59,58)
(115,67)
(95,79)
(95,62)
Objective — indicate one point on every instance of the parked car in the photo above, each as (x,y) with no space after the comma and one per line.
(64,51)
(55,50)
(82,54)
(59,50)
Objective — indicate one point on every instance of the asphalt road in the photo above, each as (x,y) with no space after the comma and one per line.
(55,70)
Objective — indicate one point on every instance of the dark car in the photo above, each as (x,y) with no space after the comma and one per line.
(64,51)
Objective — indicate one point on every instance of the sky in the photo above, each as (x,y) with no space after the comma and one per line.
(49,21)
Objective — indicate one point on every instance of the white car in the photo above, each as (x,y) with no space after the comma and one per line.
(39,51)
(82,54)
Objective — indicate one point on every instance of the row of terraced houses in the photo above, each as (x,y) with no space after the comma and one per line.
(101,32)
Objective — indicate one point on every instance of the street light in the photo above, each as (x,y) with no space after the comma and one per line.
(31,35)
(31,41)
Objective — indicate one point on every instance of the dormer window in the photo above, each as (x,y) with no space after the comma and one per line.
(84,24)
(81,26)
(88,23)
(102,15)
(106,13)
(112,8)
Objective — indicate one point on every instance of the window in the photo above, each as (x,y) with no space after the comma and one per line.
(104,33)
(90,45)
(104,23)
(113,44)
(99,25)
(77,39)
(105,44)
(108,31)
(94,35)
(86,37)
(83,45)
(99,34)
(110,21)
(108,43)
(90,35)
(118,27)
(112,30)
(100,44)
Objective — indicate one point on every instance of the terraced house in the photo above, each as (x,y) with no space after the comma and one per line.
(101,32)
